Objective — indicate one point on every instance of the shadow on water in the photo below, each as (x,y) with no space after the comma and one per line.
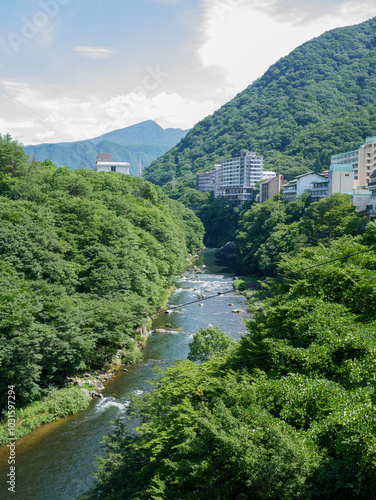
(56,461)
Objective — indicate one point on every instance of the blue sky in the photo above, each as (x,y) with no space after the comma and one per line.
(74,69)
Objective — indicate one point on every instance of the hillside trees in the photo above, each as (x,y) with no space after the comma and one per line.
(84,259)
(272,230)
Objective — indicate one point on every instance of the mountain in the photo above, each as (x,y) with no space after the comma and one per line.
(145,141)
(317,101)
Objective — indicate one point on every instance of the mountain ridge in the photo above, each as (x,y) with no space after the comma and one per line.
(143,141)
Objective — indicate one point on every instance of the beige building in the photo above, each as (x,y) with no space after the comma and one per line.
(341,178)
(367,161)
(361,198)
(362,162)
(270,188)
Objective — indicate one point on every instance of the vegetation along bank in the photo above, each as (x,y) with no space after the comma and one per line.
(288,412)
(85,259)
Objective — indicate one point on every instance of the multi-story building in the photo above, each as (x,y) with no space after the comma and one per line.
(239,176)
(243,170)
(350,158)
(372,202)
(362,161)
(235,178)
(105,163)
(271,187)
(367,161)
(341,178)
(209,181)
(361,198)
(319,189)
(291,190)
(205,181)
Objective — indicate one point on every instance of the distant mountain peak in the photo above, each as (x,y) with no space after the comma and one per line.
(144,141)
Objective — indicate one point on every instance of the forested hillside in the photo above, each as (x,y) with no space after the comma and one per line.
(85,258)
(318,101)
(289,411)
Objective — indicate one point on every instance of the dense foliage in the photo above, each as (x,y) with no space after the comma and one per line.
(85,258)
(271,231)
(318,101)
(289,411)
(220,219)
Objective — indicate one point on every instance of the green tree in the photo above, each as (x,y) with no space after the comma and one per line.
(208,343)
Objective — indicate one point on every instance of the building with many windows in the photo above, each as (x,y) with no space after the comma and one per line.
(319,189)
(209,181)
(105,163)
(362,162)
(243,170)
(291,190)
(367,161)
(235,178)
(205,181)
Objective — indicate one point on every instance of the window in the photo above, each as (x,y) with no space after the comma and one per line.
(113,168)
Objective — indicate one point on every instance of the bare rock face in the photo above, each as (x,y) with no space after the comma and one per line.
(228,250)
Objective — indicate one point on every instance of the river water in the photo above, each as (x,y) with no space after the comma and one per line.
(55,462)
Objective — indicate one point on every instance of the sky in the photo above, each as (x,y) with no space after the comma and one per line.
(76,69)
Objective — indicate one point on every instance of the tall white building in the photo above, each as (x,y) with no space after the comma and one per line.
(235,178)
(243,169)
(239,176)
(105,163)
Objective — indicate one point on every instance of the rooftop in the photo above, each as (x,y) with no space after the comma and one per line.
(341,166)
(104,157)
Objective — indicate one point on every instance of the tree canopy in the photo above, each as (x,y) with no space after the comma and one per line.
(85,258)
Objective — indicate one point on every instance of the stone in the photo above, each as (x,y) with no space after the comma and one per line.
(98,385)
(228,250)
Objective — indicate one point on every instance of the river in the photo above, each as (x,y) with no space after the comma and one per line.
(55,462)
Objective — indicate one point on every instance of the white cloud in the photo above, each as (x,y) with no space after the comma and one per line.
(45,136)
(52,116)
(244,37)
(94,52)
(168,109)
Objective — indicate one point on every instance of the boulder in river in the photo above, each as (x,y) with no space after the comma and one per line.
(228,250)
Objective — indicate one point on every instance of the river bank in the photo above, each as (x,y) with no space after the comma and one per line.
(55,462)
(79,390)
